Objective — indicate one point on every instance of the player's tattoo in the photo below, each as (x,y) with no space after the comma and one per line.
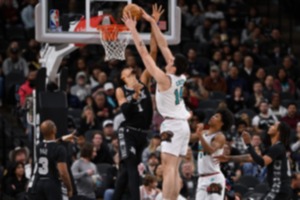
(142,44)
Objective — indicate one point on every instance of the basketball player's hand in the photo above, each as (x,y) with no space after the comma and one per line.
(157,12)
(129,21)
(146,16)
(222,158)
(70,137)
(70,193)
(137,88)
(246,137)
(200,128)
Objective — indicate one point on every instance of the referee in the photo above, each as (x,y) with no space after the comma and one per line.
(51,166)
(275,159)
(136,105)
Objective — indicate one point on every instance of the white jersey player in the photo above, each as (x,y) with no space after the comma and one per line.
(211,182)
(169,102)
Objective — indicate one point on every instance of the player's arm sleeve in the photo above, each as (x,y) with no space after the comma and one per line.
(77,171)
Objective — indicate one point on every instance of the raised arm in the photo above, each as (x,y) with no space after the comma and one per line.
(160,39)
(146,77)
(160,77)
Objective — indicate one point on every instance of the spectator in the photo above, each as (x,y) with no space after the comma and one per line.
(204,33)
(10,13)
(264,119)
(31,53)
(189,158)
(94,77)
(214,82)
(152,162)
(246,33)
(15,183)
(81,89)
(102,110)
(194,65)
(158,171)
(290,68)
(237,141)
(189,180)
(248,72)
(108,130)
(88,120)
(21,154)
(278,110)
(213,14)
(15,63)
(103,154)
(257,97)
(152,148)
(73,100)
(234,81)
(149,190)
(268,87)
(283,84)
(101,78)
(237,100)
(292,118)
(85,173)
(260,75)
(109,91)
(276,41)
(194,18)
(225,70)
(26,88)
(27,16)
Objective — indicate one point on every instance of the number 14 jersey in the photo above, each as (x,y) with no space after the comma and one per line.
(49,153)
(170,102)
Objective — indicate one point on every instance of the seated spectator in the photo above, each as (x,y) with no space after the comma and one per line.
(152,162)
(88,120)
(10,13)
(292,118)
(94,77)
(260,75)
(204,33)
(21,154)
(225,69)
(85,172)
(26,88)
(264,119)
(101,79)
(194,65)
(278,110)
(103,154)
(214,82)
(108,130)
(189,158)
(152,148)
(15,63)
(73,100)
(237,140)
(16,181)
(283,83)
(189,180)
(149,190)
(246,33)
(213,14)
(290,68)
(101,108)
(234,80)
(81,89)
(248,71)
(190,97)
(194,17)
(257,97)
(237,101)
(158,172)
(30,54)
(109,91)
(268,87)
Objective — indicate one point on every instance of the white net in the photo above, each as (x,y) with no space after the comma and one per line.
(114,41)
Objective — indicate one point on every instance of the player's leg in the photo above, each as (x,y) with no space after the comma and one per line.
(122,182)
(178,181)
(169,163)
(52,190)
(201,189)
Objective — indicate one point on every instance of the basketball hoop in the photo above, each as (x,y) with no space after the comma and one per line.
(114,38)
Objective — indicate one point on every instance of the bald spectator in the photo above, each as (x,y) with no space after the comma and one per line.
(214,82)
(248,72)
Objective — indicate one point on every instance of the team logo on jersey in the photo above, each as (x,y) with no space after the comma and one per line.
(214,188)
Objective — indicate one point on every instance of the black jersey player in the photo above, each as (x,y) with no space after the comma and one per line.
(51,166)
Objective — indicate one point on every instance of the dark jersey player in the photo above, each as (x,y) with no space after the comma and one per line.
(51,166)
(279,173)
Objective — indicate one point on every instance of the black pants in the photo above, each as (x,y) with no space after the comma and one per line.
(48,189)
(128,177)
(280,196)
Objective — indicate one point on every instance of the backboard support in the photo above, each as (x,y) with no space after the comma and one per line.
(58,22)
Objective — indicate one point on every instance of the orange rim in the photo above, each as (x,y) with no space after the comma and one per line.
(110,32)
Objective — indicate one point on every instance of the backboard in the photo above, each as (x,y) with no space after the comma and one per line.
(76,21)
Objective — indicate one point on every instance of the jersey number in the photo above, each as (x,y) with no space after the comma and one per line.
(43,169)
(178,95)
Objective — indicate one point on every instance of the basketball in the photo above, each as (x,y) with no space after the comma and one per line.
(134,9)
